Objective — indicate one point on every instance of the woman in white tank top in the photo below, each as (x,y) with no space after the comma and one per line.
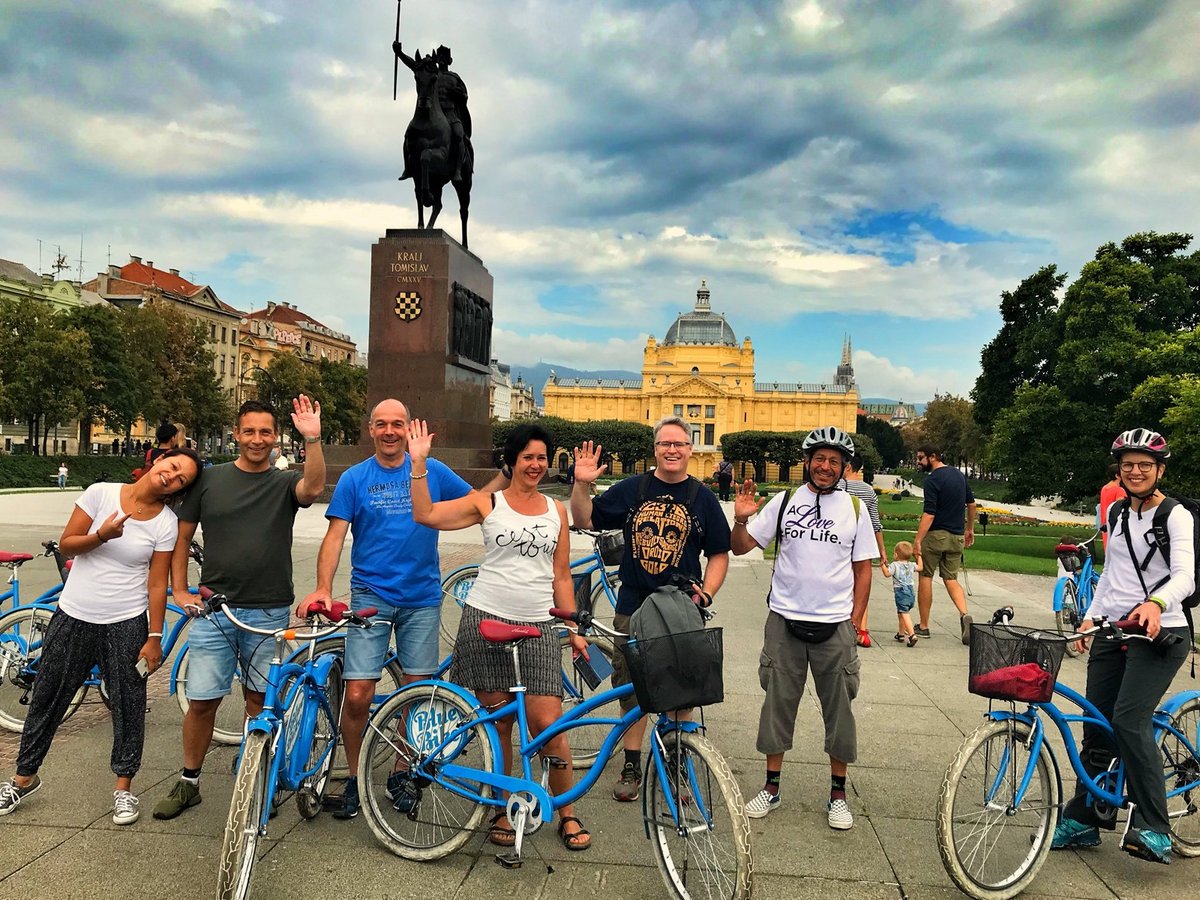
(525,571)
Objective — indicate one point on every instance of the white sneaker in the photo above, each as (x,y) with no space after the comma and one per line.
(125,808)
(839,815)
(762,803)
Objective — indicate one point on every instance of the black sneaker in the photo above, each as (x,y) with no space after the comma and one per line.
(920,632)
(965,622)
(629,786)
(349,807)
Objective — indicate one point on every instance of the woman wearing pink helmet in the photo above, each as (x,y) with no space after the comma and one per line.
(1127,682)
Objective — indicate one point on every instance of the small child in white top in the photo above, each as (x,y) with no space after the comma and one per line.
(904,577)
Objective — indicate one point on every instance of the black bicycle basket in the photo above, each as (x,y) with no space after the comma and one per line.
(1008,662)
(611,545)
(677,671)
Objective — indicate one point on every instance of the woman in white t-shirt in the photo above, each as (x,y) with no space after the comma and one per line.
(121,537)
(525,571)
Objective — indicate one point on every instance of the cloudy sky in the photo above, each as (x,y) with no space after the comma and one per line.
(880,169)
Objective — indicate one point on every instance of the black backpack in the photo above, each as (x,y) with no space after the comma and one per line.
(1162,543)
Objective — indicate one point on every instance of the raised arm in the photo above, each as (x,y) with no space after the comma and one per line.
(306,416)
(587,470)
(448,515)
(328,558)
(745,505)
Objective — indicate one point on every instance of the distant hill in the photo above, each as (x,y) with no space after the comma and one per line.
(919,407)
(535,376)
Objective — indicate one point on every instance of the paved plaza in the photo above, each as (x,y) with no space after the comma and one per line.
(913,710)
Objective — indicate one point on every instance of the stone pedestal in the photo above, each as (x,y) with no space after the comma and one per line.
(430,346)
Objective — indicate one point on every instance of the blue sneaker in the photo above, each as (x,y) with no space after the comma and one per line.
(1071,833)
(1147,845)
(402,792)
(349,807)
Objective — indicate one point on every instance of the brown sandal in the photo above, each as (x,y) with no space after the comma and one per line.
(499,835)
(570,841)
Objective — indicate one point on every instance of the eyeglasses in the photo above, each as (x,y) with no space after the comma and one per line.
(1141,466)
(672,445)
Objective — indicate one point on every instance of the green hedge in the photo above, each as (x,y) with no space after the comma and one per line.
(21,471)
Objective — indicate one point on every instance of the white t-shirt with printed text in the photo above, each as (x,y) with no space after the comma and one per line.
(813,578)
(109,584)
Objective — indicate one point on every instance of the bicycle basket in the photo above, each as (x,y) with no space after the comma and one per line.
(1008,662)
(611,545)
(583,592)
(677,671)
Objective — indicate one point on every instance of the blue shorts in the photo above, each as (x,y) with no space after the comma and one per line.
(216,646)
(416,631)
(904,597)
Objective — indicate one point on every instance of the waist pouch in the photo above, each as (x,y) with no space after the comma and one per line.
(812,632)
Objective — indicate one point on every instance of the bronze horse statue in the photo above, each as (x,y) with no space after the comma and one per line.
(430,152)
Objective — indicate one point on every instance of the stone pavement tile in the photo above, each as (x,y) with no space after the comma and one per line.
(903,720)
(304,869)
(911,847)
(24,843)
(1131,878)
(903,793)
(776,887)
(578,878)
(931,892)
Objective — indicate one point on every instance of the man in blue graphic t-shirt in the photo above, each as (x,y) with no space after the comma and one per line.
(393,566)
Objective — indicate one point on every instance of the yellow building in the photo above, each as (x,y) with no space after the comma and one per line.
(701,373)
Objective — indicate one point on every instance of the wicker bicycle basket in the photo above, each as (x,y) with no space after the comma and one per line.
(1008,662)
(677,671)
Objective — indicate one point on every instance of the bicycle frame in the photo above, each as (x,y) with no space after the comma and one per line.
(1085,581)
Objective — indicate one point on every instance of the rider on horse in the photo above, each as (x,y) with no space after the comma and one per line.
(452,98)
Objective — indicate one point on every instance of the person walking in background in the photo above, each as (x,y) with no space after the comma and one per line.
(853,482)
(167,438)
(62,475)
(121,537)
(1111,492)
(947,526)
(904,579)
(724,475)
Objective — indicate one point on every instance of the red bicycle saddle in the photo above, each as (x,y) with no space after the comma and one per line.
(500,633)
(10,558)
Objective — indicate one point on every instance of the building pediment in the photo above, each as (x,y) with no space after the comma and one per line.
(694,387)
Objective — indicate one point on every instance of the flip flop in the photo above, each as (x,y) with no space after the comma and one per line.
(570,841)
(499,835)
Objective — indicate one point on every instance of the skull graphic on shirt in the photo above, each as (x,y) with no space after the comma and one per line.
(660,532)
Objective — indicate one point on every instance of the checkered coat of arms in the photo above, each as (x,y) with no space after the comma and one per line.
(408,305)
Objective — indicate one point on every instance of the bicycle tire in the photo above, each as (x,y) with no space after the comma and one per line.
(998,750)
(1181,770)
(322,747)
(235,871)
(230,722)
(21,629)
(693,865)
(455,588)
(603,606)
(417,835)
(586,740)
(1067,619)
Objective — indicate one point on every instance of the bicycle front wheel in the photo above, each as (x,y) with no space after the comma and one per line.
(993,842)
(707,853)
(22,638)
(1181,772)
(231,714)
(586,740)
(455,588)
(322,744)
(240,842)
(438,813)
(1067,618)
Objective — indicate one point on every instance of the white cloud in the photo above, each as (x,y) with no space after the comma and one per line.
(528,349)
(878,376)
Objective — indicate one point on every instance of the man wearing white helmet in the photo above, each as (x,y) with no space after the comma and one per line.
(818,594)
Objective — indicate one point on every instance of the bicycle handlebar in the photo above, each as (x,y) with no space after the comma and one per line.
(1116,629)
(212,602)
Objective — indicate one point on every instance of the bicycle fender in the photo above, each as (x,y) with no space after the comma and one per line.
(472,701)
(1004,715)
(1175,701)
(1060,587)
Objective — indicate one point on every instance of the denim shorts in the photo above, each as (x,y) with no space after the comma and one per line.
(416,631)
(216,647)
(904,597)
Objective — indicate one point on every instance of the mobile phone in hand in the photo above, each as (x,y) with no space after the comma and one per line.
(142,667)
(593,669)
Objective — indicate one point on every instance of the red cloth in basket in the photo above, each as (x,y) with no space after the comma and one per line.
(1028,683)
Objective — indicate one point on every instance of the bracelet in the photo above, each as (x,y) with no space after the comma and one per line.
(742,522)
(312,440)
(424,474)
(1157,601)
(100,538)
(156,634)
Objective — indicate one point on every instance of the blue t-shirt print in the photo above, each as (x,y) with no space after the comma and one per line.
(392,555)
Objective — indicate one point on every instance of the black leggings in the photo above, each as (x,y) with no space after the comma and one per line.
(70,648)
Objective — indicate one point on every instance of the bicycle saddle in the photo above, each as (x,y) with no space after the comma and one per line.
(501,633)
(9,559)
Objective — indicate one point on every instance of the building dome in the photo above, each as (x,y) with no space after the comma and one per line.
(701,325)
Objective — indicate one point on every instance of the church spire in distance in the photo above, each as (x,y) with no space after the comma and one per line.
(845,371)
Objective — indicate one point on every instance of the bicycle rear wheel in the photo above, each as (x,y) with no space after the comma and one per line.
(231,714)
(1181,772)
(586,740)
(239,844)
(409,726)
(708,853)
(455,588)
(604,606)
(991,845)
(1067,619)
(22,637)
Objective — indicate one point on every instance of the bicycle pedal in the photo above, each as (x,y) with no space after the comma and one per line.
(509,860)
(555,762)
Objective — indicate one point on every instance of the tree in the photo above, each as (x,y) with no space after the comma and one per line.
(950,426)
(785,449)
(886,438)
(628,442)
(866,450)
(117,392)
(753,447)
(284,379)
(343,394)
(1031,437)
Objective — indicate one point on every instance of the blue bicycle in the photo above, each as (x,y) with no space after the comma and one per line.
(289,746)
(1001,797)
(692,807)
(1074,591)
(14,561)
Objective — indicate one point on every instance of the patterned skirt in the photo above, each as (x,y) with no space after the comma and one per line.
(483,666)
